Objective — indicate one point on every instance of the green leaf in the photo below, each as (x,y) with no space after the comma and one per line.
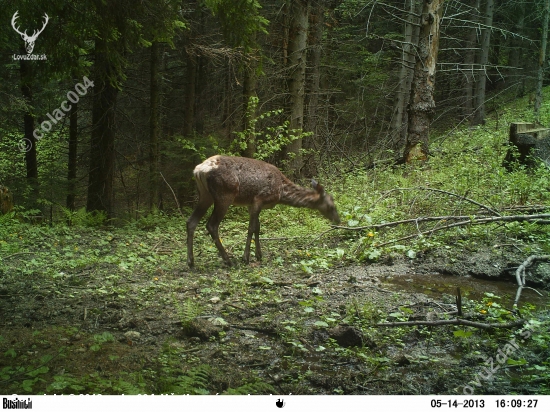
(518,362)
(39,371)
(462,333)
(321,324)
(10,352)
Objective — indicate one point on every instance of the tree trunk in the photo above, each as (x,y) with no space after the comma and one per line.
(542,60)
(190,96)
(25,70)
(296,79)
(469,61)
(154,128)
(422,104)
(73,151)
(102,146)
(399,121)
(517,50)
(316,23)
(250,82)
(479,116)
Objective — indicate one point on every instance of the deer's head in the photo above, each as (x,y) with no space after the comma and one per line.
(29,40)
(326,203)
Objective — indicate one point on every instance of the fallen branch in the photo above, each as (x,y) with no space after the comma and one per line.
(431,189)
(520,275)
(540,218)
(466,220)
(464,322)
(16,254)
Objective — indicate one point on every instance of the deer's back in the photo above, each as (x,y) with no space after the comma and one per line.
(245,181)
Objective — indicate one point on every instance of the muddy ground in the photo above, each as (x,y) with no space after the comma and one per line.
(235,331)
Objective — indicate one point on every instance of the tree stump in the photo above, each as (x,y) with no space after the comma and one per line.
(532,141)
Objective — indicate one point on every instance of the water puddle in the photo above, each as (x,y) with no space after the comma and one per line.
(436,285)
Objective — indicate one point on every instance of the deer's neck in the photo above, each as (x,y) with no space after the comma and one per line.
(294,195)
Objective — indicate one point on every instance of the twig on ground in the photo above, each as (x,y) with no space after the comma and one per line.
(520,275)
(431,189)
(473,220)
(16,254)
(464,322)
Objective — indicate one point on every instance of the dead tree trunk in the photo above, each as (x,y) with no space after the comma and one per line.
(422,104)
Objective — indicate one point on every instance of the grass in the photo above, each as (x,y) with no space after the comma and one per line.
(110,279)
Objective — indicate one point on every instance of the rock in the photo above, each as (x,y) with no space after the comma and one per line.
(132,335)
(202,328)
(346,336)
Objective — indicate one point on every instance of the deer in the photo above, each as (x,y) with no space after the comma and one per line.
(29,40)
(241,181)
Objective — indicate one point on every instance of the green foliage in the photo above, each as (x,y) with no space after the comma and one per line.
(240,21)
(256,387)
(188,311)
(268,140)
(100,339)
(81,217)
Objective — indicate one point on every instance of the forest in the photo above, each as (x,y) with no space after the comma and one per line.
(404,144)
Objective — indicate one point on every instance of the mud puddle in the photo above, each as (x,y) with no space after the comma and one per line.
(437,285)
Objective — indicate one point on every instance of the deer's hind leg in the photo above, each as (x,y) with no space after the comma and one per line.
(205,202)
(253,230)
(220,209)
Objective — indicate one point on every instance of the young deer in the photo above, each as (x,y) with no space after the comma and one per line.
(240,181)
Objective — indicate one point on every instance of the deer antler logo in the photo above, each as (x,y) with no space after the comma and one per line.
(29,40)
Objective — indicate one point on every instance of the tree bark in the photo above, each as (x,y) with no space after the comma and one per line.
(542,60)
(469,61)
(25,70)
(479,116)
(515,59)
(102,145)
(297,42)
(400,118)
(316,23)
(154,128)
(190,95)
(422,104)
(73,151)
(250,82)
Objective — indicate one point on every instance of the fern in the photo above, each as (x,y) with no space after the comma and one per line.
(193,382)
(188,311)
(251,388)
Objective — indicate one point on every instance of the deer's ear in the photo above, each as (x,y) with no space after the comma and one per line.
(318,188)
